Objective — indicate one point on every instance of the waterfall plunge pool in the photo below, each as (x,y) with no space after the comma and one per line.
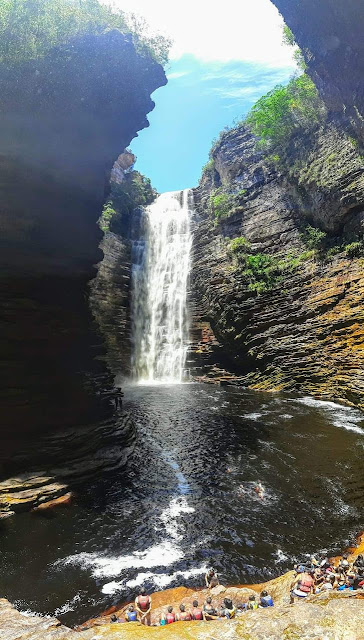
(185,500)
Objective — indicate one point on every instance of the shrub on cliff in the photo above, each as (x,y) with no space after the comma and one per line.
(282,111)
(313,237)
(263,271)
(221,204)
(136,190)
(30,28)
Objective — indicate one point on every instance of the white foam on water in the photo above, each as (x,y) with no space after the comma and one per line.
(280,556)
(163,554)
(176,508)
(160,580)
(28,613)
(252,416)
(70,605)
(342,417)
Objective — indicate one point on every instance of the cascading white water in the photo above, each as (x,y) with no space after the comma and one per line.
(160,271)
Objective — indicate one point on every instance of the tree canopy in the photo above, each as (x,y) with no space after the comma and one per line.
(30,28)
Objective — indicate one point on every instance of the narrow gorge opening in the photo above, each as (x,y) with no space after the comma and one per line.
(160,271)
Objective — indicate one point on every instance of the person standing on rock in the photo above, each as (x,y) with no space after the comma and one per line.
(211,579)
(143,605)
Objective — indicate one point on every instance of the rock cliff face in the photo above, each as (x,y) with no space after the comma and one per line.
(329,33)
(306,332)
(63,122)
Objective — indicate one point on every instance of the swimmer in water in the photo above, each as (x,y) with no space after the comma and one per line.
(259,490)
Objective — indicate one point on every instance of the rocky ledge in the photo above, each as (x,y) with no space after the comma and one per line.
(333,616)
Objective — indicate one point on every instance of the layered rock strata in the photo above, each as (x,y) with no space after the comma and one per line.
(305,333)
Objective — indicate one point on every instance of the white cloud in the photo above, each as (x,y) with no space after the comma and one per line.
(231,30)
(177,74)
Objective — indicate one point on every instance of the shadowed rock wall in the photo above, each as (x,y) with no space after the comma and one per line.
(330,34)
(63,122)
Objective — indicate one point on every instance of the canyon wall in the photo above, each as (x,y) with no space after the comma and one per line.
(329,34)
(304,331)
(63,122)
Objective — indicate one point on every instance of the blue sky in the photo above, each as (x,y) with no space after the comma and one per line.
(201,98)
(224,57)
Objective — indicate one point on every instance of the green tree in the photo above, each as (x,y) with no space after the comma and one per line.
(276,116)
(30,28)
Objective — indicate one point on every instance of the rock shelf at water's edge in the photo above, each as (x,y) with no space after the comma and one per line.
(334,616)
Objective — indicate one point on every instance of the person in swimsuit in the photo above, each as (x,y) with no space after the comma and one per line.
(211,579)
(209,612)
(183,615)
(302,586)
(259,490)
(197,613)
(170,616)
(131,615)
(143,605)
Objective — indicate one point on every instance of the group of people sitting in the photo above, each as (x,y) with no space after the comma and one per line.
(316,575)
(319,574)
(140,611)
(209,612)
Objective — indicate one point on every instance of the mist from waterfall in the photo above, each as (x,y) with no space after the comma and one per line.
(160,270)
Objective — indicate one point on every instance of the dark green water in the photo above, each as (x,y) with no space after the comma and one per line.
(185,500)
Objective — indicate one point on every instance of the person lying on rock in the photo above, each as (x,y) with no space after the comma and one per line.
(302,586)
(197,613)
(209,612)
(211,579)
(228,610)
(131,615)
(143,605)
(266,600)
(183,615)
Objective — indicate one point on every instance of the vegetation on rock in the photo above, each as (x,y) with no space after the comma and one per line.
(313,237)
(263,271)
(289,39)
(284,110)
(221,203)
(136,190)
(30,28)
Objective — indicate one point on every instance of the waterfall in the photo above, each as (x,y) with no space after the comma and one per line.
(161,261)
